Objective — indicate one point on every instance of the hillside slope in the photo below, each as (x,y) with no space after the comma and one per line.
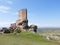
(24,38)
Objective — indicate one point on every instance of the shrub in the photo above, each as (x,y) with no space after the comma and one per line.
(17,30)
(33,27)
(11,30)
(6,31)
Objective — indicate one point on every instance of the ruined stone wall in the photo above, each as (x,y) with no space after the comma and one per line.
(13,25)
(22,21)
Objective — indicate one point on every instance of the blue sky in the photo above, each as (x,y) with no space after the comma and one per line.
(43,13)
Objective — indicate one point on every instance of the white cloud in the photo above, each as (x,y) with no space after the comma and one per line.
(14,13)
(7,1)
(5,24)
(4,9)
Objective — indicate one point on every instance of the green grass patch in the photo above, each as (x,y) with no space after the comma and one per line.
(24,38)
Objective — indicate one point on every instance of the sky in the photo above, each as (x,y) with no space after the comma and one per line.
(43,13)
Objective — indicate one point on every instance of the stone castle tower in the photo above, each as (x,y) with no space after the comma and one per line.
(22,21)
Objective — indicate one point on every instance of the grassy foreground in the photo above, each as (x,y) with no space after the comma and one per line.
(24,38)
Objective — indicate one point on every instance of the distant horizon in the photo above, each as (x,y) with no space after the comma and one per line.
(38,27)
